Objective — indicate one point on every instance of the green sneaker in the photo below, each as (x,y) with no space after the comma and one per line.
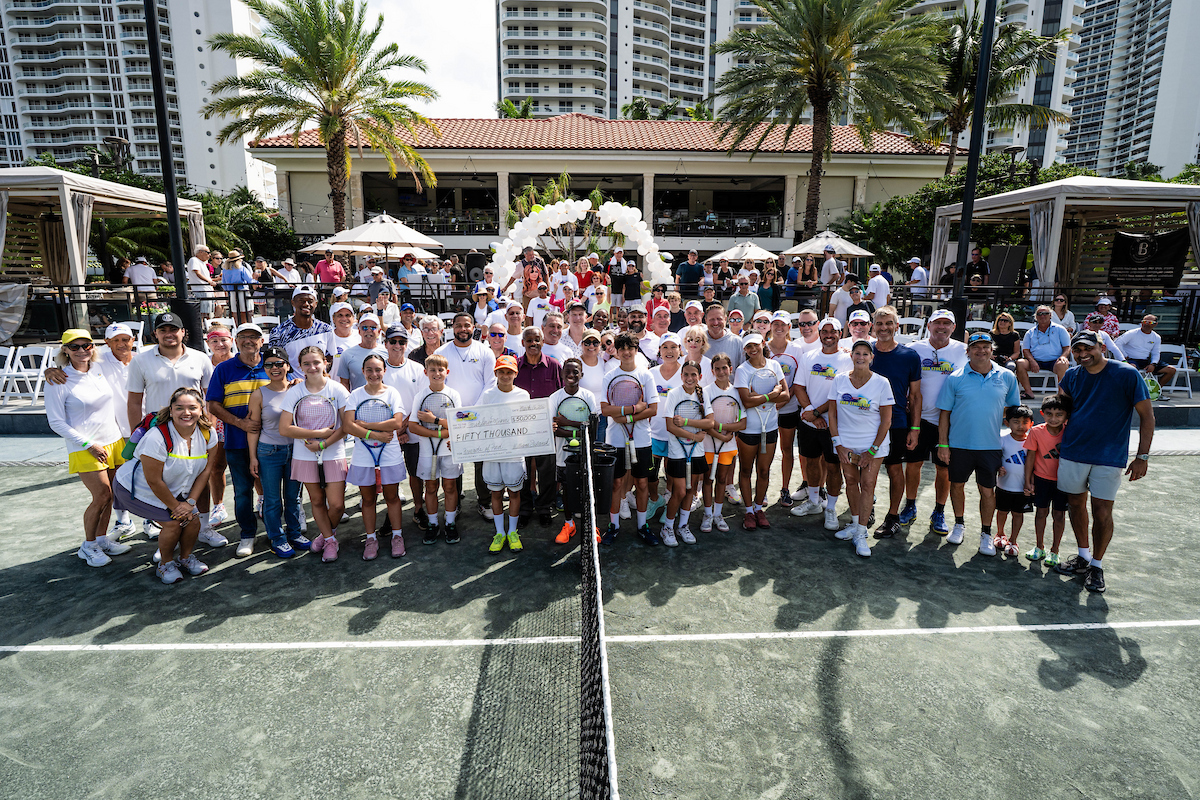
(497,543)
(1036,554)
(1051,559)
(514,541)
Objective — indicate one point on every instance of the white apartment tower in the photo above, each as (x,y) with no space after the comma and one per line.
(73,72)
(1137,88)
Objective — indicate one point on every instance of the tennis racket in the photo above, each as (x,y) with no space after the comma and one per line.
(575,409)
(688,410)
(315,412)
(790,366)
(437,403)
(762,382)
(368,411)
(725,410)
(626,390)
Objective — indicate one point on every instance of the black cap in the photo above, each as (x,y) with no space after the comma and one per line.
(168,320)
(1086,337)
(396,331)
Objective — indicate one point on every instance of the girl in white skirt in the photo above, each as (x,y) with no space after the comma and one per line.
(391,458)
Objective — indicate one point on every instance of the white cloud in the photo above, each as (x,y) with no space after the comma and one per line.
(457,40)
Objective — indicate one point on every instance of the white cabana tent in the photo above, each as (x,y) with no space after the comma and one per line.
(817,244)
(743,251)
(1071,204)
(46,216)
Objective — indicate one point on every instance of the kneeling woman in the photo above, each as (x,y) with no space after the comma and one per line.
(860,415)
(166,476)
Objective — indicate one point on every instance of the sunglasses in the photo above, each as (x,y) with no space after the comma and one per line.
(494,335)
(397,341)
(808,324)
(79,346)
(859,322)
(275,365)
(368,327)
(1060,299)
(591,342)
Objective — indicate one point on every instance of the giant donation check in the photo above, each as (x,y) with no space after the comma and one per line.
(501,431)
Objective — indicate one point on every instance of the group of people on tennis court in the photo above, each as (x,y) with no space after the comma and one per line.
(694,418)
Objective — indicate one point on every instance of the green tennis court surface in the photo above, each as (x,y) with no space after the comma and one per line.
(754,665)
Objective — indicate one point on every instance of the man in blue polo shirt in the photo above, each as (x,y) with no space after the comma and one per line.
(972,403)
(902,367)
(1095,448)
(1045,345)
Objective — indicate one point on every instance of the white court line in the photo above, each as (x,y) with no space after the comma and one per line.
(618,639)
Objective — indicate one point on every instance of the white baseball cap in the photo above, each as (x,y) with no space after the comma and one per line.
(859,316)
(336,307)
(248,326)
(753,338)
(834,321)
(303,289)
(874,268)
(593,255)
(668,338)
(781,316)
(914,260)
(117,329)
(694,304)
(941,313)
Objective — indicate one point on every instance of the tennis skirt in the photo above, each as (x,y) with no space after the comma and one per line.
(123,500)
(335,471)
(365,476)
(84,461)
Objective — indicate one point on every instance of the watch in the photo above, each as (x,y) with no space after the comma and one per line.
(191,502)
(1143,456)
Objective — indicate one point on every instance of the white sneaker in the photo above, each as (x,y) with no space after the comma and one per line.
(111,546)
(986,546)
(631,498)
(667,534)
(245,548)
(211,538)
(93,555)
(706,524)
(625,512)
(860,542)
(697,502)
(831,519)
(685,533)
(720,524)
(121,530)
(217,515)
(151,529)
(168,573)
(733,495)
(956,535)
(345,518)
(806,509)
(847,533)
(157,557)
(192,565)
(486,513)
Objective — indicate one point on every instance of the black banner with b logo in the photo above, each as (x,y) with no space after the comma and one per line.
(1143,259)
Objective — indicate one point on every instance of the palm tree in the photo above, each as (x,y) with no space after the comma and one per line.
(700,112)
(317,63)
(507,109)
(1016,56)
(861,59)
(638,108)
(667,110)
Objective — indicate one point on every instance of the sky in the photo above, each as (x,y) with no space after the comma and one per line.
(457,41)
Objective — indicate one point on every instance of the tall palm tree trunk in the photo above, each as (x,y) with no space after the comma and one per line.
(820,143)
(335,166)
(954,134)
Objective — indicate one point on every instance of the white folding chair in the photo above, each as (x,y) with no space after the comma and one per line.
(1044,381)
(6,357)
(27,367)
(1182,382)
(266,321)
(1129,326)
(978,325)
(1023,326)
(912,326)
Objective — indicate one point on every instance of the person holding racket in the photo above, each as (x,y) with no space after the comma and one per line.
(860,419)
(432,405)
(723,405)
(781,349)
(574,407)
(686,466)
(407,377)
(375,413)
(761,384)
(311,417)
(630,400)
(271,459)
(666,377)
(818,368)
(505,474)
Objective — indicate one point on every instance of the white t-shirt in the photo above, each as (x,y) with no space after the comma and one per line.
(336,393)
(648,344)
(558,351)
(197,272)
(615,434)
(789,373)
(593,377)
(936,366)
(493,396)
(406,379)
(141,276)
(117,375)
(658,423)
(391,455)
(675,397)
(881,288)
(839,304)
(82,411)
(858,411)
(290,276)
(426,442)
(1013,477)
(817,371)
(829,269)
(157,378)
(1135,344)
(921,276)
(711,393)
(338,345)
(472,369)
(480,314)
(560,443)
(763,418)
(539,307)
(558,281)
(181,466)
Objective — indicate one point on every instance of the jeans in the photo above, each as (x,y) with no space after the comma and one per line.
(243,491)
(281,494)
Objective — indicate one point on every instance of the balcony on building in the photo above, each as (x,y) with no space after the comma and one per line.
(461,205)
(698,207)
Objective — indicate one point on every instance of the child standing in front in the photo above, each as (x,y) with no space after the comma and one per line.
(1010,483)
(433,429)
(1041,476)
(504,473)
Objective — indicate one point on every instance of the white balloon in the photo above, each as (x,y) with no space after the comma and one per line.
(642,250)
(528,241)
(635,214)
(507,244)
(586,204)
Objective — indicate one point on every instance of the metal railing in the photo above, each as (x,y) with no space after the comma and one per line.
(719,223)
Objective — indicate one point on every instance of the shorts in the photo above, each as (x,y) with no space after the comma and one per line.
(789,420)
(365,476)
(1142,363)
(659,447)
(898,452)
(984,463)
(501,475)
(1103,482)
(727,457)
(639,470)
(1013,502)
(306,471)
(754,439)
(677,467)
(816,443)
(927,441)
(447,469)
(83,461)
(239,300)
(1046,494)
(1047,364)
(124,501)
(412,454)
(206,307)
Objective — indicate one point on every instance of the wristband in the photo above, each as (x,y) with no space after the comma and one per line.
(871,451)
(439,433)
(837,441)
(86,445)
(719,428)
(629,418)
(321,445)
(944,445)
(915,428)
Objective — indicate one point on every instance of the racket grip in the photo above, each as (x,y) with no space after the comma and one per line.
(712,475)
(632,451)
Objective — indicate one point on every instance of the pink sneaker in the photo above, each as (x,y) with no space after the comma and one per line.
(760,517)
(371,550)
(397,544)
(317,544)
(329,550)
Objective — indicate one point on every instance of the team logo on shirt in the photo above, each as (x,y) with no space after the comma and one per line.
(465,416)
(662,389)
(856,401)
(1018,457)
(936,365)
(826,371)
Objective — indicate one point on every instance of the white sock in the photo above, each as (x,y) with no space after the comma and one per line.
(204,520)
(499,520)
(683,518)
(450,515)
(669,523)
(512,523)
(371,537)
(814,496)
(641,518)
(717,509)
(831,501)
(615,519)
(1086,554)
(708,512)
(1096,563)
(854,519)
(122,517)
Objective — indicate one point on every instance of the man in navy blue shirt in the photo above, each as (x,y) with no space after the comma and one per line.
(1095,448)
(687,277)
(902,367)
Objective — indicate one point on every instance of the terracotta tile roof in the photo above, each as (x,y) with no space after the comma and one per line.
(586,132)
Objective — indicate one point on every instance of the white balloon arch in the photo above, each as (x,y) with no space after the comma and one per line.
(624,219)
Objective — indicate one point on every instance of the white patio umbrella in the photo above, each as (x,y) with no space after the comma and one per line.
(382,231)
(743,251)
(817,244)
(353,250)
